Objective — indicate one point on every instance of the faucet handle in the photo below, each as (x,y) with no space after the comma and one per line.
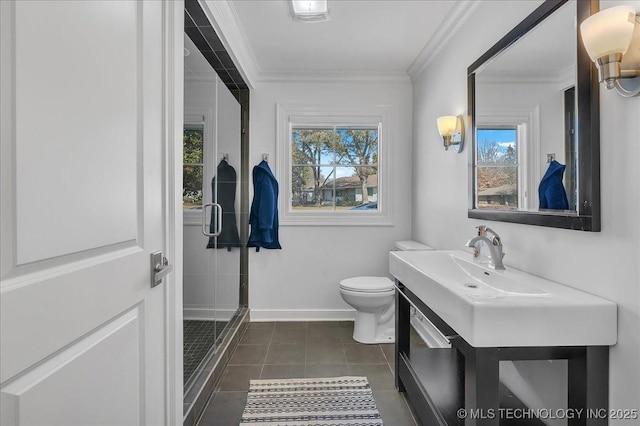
(482,230)
(496,238)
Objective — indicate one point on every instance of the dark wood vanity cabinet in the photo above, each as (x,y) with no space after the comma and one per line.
(461,385)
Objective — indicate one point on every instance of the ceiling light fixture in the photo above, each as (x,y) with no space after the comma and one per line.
(607,36)
(310,10)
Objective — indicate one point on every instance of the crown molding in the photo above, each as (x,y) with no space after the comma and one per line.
(333,77)
(225,21)
(455,19)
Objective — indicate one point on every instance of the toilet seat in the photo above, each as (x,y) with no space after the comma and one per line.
(367,284)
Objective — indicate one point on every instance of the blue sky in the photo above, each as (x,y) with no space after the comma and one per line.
(504,137)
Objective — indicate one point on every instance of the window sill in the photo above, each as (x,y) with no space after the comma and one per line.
(192,218)
(335,219)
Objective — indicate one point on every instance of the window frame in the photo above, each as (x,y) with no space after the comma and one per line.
(527,124)
(289,116)
(517,130)
(201,116)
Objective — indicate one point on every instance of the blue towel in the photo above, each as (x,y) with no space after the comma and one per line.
(264,209)
(551,190)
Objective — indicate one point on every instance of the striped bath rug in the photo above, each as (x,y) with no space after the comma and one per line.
(334,401)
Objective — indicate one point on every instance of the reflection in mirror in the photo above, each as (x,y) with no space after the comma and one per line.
(525,96)
(521,112)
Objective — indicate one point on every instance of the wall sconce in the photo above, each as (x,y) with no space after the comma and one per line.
(451,129)
(310,10)
(607,36)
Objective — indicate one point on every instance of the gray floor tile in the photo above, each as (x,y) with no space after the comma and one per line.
(346,334)
(325,353)
(254,336)
(389,350)
(280,371)
(379,375)
(291,324)
(393,408)
(289,335)
(249,354)
(261,325)
(236,377)
(324,334)
(225,409)
(364,354)
(299,349)
(326,370)
(280,353)
(324,324)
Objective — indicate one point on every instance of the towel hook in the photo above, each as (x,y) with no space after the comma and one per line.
(265,157)
(225,157)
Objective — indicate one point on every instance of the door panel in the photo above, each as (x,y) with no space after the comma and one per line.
(82,333)
(83,144)
(36,397)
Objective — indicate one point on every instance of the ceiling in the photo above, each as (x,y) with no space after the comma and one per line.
(361,38)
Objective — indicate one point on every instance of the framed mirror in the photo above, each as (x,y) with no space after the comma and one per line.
(535,124)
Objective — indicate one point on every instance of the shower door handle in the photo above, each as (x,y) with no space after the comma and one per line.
(218,229)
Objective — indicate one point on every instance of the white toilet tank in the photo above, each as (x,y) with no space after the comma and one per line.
(410,245)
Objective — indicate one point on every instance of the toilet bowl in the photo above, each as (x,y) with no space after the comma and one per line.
(373,298)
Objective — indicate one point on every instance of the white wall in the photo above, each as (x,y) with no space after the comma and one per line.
(301,280)
(604,263)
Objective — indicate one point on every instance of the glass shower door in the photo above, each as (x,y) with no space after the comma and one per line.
(227,195)
(211,257)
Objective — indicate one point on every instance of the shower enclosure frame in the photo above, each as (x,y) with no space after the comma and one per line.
(199,389)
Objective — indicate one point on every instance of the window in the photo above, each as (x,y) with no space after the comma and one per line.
(193,166)
(333,166)
(497,168)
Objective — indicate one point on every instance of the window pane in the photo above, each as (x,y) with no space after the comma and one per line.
(312,188)
(498,187)
(366,189)
(332,174)
(497,146)
(312,146)
(192,186)
(192,145)
(357,146)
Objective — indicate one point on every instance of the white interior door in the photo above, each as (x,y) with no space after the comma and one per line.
(84,339)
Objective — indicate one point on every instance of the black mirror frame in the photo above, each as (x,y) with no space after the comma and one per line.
(588,129)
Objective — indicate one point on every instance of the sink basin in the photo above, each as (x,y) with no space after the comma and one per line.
(491,308)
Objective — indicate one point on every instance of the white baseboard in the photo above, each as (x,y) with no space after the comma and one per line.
(263,315)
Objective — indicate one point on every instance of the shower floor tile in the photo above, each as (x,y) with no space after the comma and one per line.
(199,337)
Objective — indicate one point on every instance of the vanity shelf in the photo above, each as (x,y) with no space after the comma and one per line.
(441,381)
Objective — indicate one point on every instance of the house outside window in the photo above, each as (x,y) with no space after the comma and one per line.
(333,166)
(497,168)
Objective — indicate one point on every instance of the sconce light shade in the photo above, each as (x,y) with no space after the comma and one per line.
(447,125)
(310,10)
(608,32)
(451,128)
(607,36)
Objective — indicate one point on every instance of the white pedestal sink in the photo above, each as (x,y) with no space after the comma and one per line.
(490,308)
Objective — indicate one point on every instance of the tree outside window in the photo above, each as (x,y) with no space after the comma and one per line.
(497,168)
(193,166)
(334,167)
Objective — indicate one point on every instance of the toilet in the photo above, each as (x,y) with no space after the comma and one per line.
(373,298)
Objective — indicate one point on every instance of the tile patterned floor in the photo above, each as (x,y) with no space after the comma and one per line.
(199,337)
(305,349)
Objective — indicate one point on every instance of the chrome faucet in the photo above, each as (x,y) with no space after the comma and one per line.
(494,243)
